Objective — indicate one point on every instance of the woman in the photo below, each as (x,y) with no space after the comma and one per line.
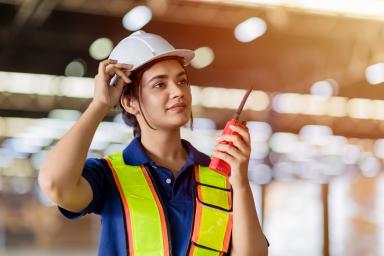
(157,197)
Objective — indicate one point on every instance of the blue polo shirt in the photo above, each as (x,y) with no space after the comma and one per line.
(177,193)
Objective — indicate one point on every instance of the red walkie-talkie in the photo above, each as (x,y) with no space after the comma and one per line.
(220,165)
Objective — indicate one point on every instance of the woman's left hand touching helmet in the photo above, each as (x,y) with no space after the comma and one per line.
(236,155)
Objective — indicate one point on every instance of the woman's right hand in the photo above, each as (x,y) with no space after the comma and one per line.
(105,95)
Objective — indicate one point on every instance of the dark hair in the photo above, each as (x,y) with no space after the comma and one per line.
(133,91)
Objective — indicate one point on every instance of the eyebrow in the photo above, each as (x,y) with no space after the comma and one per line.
(165,76)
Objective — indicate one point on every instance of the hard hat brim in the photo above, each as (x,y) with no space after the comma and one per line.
(185,54)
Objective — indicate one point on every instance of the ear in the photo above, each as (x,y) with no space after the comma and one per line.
(130,105)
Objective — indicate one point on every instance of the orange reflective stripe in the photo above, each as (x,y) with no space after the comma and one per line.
(197,221)
(191,250)
(198,210)
(196,170)
(230,200)
(228,232)
(161,211)
(229,186)
(125,206)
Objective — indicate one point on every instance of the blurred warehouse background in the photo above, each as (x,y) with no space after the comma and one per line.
(316,114)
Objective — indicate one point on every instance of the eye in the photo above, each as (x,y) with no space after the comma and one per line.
(159,85)
(183,82)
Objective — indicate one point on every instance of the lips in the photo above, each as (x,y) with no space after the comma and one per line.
(177,105)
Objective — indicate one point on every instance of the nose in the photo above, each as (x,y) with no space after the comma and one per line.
(176,90)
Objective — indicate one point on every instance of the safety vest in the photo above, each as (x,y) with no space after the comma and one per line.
(147,227)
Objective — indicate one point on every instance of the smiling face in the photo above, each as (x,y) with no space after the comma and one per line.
(165,96)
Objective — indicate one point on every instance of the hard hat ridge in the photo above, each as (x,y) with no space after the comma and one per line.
(140,48)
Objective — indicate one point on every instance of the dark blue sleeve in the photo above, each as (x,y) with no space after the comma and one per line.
(95,172)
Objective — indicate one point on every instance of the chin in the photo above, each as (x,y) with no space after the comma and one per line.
(177,122)
(182,122)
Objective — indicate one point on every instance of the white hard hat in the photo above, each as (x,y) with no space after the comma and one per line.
(140,48)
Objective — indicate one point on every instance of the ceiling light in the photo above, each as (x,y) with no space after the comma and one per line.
(361,108)
(75,68)
(250,29)
(137,18)
(323,88)
(101,48)
(204,56)
(76,87)
(375,73)
(282,142)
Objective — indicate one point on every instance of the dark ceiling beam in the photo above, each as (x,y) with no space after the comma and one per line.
(30,13)
(25,11)
(43,11)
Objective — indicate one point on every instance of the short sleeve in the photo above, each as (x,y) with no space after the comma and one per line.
(95,172)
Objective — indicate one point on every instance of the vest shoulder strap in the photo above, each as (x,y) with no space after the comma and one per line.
(144,213)
(213,214)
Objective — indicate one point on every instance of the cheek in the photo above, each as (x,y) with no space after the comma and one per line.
(154,102)
(188,94)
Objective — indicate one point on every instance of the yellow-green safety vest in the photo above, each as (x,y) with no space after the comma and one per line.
(145,217)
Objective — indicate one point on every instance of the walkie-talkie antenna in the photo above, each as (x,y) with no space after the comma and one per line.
(238,112)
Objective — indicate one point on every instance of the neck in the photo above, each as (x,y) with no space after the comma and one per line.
(164,146)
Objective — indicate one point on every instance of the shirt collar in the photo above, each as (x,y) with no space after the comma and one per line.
(134,154)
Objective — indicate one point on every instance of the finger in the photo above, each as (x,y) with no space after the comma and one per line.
(111,67)
(236,141)
(121,75)
(223,156)
(102,66)
(123,66)
(242,132)
(230,150)
(121,82)
(119,85)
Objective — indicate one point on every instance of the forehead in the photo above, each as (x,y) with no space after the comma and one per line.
(169,67)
